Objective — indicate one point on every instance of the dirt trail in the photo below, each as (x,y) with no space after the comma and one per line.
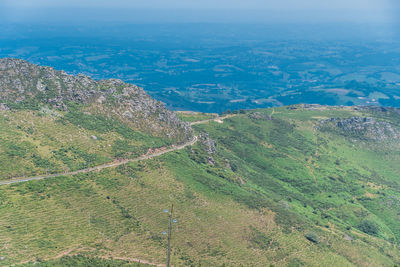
(136,260)
(75,251)
(119,162)
(103,166)
(216,119)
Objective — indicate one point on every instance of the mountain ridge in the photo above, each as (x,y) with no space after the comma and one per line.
(22,82)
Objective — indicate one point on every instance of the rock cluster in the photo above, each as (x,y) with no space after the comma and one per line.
(22,81)
(260,116)
(362,127)
(207,143)
(311,106)
(374,108)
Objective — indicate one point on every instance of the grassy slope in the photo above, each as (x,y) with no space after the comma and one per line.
(39,142)
(274,183)
(81,261)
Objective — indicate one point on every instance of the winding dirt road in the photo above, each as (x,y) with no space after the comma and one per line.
(119,162)
(103,166)
(216,119)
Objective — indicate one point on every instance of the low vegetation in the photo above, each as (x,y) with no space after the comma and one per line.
(36,142)
(82,261)
(276,190)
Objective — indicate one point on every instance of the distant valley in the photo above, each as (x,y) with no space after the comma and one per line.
(239,68)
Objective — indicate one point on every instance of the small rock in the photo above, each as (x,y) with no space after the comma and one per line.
(227,164)
(94,137)
(101,99)
(127,114)
(284,204)
(347,237)
(211,161)
(4,107)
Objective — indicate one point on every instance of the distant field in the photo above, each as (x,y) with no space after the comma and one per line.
(239,68)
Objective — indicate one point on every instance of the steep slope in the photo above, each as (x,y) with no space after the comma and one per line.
(293,186)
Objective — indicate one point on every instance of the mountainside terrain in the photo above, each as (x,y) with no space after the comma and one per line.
(66,122)
(27,85)
(302,185)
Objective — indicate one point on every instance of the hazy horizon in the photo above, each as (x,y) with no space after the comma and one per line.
(222,11)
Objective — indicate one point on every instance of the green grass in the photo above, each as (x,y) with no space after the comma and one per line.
(34,142)
(279,192)
(82,261)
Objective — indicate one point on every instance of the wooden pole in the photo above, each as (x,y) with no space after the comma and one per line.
(169,236)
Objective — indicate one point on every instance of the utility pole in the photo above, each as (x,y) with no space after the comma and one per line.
(169,236)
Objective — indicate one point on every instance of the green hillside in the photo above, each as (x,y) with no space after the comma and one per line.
(290,186)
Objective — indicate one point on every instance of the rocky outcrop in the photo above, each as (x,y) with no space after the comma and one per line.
(207,143)
(21,82)
(4,107)
(260,116)
(364,128)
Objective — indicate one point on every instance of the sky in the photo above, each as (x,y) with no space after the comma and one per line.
(362,11)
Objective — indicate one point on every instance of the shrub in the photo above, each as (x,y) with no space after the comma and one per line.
(259,239)
(369,227)
(313,237)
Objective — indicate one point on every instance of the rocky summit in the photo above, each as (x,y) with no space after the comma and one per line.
(23,84)
(363,127)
